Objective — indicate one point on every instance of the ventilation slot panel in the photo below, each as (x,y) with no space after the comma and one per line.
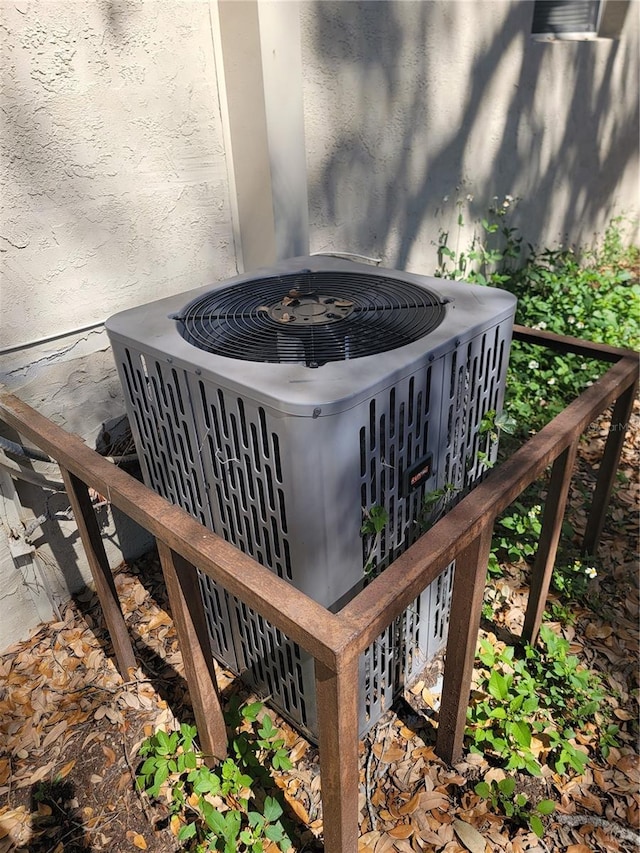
(395,437)
(276,667)
(166,435)
(476,379)
(243,454)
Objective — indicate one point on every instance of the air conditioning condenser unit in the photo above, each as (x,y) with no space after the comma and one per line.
(284,409)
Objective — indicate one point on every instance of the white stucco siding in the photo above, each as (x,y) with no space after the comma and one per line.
(113,167)
(407,103)
(114,193)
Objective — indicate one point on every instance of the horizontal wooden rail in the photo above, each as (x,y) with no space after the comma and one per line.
(565,344)
(336,640)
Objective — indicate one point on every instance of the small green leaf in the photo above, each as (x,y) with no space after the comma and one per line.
(233,822)
(536,825)
(213,818)
(505,422)
(275,832)
(498,686)
(190,760)
(483,790)
(546,806)
(507,786)
(256,820)
(272,809)
(250,712)
(521,733)
(187,831)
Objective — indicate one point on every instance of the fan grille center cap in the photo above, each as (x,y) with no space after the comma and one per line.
(311,310)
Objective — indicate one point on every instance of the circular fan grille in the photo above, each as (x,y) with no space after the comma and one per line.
(310,317)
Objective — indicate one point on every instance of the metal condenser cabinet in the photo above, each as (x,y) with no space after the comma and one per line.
(281,408)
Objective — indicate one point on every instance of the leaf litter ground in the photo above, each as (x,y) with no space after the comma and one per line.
(70,727)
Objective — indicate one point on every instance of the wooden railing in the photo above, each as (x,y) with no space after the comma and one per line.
(336,640)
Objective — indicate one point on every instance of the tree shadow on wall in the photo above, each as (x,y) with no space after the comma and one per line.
(400,147)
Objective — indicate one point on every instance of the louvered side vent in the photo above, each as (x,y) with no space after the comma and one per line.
(247,489)
(172,464)
(400,437)
(277,668)
(247,495)
(394,439)
(473,378)
(163,417)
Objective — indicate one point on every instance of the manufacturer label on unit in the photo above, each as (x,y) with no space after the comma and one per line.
(418,473)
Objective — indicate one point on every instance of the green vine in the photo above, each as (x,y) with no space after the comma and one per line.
(233,807)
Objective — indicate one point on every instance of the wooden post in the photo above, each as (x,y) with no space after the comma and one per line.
(185,600)
(552,519)
(464,623)
(85,517)
(337,702)
(608,468)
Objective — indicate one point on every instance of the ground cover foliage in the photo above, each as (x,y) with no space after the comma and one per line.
(551,762)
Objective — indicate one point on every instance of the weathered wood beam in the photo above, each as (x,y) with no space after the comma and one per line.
(567,344)
(381,601)
(187,611)
(608,468)
(89,531)
(553,516)
(337,705)
(314,628)
(464,623)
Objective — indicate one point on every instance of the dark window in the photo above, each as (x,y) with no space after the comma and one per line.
(566,19)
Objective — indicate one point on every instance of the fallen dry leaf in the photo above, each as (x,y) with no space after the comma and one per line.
(469,836)
(630,766)
(402,830)
(300,811)
(54,733)
(392,754)
(109,754)
(410,806)
(299,750)
(431,800)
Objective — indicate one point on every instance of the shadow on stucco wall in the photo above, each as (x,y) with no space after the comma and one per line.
(434,99)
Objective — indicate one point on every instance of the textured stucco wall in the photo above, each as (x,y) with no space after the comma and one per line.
(114,192)
(407,103)
(113,166)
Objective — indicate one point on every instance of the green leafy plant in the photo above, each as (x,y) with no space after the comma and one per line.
(375,520)
(571,578)
(492,425)
(503,800)
(227,808)
(494,249)
(434,505)
(594,296)
(558,612)
(531,705)
(516,536)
